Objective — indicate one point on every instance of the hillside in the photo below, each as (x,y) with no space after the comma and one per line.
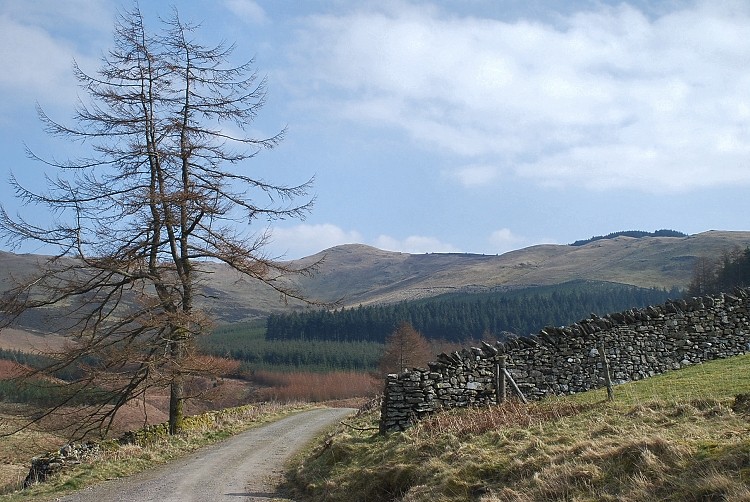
(364,275)
(357,274)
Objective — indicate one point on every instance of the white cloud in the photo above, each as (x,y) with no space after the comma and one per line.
(71,15)
(475,175)
(248,10)
(36,66)
(605,98)
(503,240)
(305,240)
(414,244)
(40,40)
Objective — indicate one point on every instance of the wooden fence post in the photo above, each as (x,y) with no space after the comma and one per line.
(500,380)
(515,386)
(607,376)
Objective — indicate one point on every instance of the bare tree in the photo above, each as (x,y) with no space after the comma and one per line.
(704,280)
(405,348)
(158,195)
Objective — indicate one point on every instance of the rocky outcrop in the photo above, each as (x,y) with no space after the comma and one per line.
(637,343)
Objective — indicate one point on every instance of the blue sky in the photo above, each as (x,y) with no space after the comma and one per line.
(475,126)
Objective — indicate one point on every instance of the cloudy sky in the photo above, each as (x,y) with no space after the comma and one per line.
(475,126)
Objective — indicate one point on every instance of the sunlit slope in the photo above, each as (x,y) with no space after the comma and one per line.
(357,274)
(361,274)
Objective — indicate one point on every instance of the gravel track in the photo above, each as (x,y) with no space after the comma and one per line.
(246,467)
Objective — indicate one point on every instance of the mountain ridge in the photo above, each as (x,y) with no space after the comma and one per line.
(357,274)
(386,277)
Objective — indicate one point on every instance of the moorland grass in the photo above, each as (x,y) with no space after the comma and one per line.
(673,437)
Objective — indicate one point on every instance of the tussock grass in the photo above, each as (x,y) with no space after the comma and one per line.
(482,420)
(674,437)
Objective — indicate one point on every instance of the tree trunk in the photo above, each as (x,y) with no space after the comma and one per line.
(177,387)
(176,401)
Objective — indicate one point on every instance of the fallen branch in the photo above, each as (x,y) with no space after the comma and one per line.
(359,428)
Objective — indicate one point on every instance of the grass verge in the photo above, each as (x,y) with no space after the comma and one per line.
(152,447)
(674,437)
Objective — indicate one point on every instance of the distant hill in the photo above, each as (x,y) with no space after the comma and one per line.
(357,274)
(631,233)
(364,275)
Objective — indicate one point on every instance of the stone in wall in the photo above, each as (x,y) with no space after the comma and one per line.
(44,466)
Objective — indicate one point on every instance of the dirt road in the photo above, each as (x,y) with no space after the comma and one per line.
(246,467)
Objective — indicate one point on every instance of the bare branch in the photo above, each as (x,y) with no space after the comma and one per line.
(161,189)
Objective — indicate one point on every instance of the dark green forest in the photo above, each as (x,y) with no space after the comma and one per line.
(39,361)
(44,392)
(247,342)
(353,339)
(463,317)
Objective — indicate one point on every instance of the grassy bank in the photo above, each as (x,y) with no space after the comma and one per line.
(152,447)
(672,437)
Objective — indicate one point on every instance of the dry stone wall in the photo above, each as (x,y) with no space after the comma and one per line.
(638,343)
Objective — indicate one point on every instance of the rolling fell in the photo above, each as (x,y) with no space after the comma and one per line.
(357,274)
